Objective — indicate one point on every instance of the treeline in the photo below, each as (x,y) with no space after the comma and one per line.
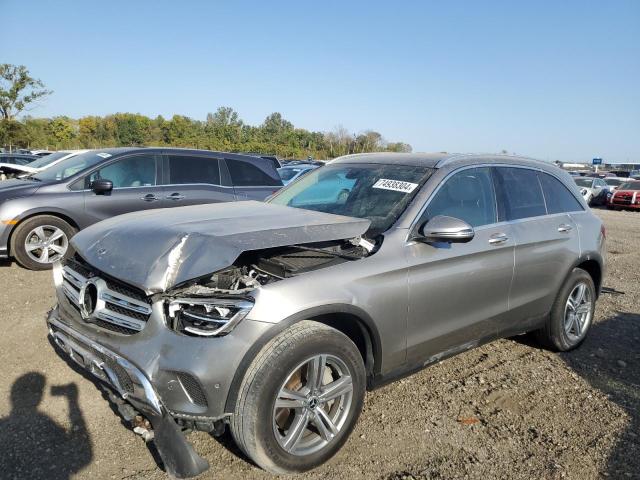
(222,130)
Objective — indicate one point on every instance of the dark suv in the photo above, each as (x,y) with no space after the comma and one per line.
(39,213)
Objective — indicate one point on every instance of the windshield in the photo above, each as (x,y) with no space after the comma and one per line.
(71,166)
(379,193)
(630,186)
(48,159)
(584,182)
(613,181)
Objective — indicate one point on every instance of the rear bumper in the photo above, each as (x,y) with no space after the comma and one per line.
(634,206)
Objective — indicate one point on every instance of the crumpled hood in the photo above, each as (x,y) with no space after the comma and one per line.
(156,250)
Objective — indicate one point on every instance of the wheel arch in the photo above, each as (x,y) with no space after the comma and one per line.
(354,322)
(594,268)
(37,213)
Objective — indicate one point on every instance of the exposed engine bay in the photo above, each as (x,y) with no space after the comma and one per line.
(253,269)
(213,305)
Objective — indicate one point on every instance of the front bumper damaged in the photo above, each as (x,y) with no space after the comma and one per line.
(179,457)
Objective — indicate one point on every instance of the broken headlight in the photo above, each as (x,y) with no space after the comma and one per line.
(207,317)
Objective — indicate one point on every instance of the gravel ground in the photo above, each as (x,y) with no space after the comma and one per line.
(506,410)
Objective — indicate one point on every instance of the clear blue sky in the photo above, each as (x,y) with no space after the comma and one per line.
(554,80)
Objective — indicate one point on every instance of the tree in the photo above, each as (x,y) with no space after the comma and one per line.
(18,90)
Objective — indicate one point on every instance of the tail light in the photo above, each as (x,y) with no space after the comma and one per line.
(603,231)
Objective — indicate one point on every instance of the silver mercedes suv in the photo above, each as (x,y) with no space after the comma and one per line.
(273,318)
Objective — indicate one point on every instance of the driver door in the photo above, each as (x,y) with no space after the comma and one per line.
(457,291)
(136,186)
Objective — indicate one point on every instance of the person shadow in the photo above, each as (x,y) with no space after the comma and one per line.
(33,445)
(609,359)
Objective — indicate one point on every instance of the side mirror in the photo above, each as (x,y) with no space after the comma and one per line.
(445,229)
(101,186)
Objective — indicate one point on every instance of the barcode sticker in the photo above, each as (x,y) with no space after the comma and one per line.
(395,185)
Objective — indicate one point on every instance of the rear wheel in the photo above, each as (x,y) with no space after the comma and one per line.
(40,241)
(572,313)
(300,399)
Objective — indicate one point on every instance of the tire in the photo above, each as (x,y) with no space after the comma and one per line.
(33,231)
(563,332)
(259,427)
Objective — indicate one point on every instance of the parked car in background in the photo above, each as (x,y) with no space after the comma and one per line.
(10,161)
(626,195)
(291,173)
(39,164)
(41,153)
(593,190)
(273,318)
(41,212)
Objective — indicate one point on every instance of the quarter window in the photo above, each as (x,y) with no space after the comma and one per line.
(467,195)
(521,193)
(245,174)
(557,197)
(192,169)
(135,171)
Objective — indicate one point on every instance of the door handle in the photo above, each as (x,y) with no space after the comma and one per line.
(498,238)
(149,197)
(175,196)
(564,228)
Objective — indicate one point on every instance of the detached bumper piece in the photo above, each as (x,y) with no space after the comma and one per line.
(179,457)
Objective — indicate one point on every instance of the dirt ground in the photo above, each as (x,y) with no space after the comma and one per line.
(506,410)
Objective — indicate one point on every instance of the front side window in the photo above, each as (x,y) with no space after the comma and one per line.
(558,197)
(135,171)
(467,195)
(248,174)
(186,169)
(521,193)
(377,192)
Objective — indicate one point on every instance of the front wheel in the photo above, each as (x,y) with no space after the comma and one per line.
(572,313)
(300,399)
(40,241)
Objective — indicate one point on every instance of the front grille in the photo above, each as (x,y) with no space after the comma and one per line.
(193,388)
(103,301)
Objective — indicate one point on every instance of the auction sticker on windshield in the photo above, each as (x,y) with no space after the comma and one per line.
(395,185)
(104,155)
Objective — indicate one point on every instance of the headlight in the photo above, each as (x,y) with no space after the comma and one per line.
(207,317)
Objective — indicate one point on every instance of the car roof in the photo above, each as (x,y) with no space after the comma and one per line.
(438,160)
(122,150)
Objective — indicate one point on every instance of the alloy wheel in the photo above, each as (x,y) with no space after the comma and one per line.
(46,244)
(312,405)
(577,312)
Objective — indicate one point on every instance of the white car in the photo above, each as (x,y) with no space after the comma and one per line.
(9,170)
(593,190)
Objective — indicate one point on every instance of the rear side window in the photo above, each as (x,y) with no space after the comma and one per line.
(246,174)
(193,169)
(558,197)
(520,193)
(467,195)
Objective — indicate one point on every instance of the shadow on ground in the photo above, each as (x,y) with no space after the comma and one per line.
(609,360)
(32,444)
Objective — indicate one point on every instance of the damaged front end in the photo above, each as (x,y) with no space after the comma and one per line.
(213,305)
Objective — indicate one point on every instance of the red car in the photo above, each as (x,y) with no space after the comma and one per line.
(626,195)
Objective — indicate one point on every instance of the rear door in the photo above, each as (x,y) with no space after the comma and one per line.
(536,205)
(136,186)
(194,179)
(458,291)
(253,178)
